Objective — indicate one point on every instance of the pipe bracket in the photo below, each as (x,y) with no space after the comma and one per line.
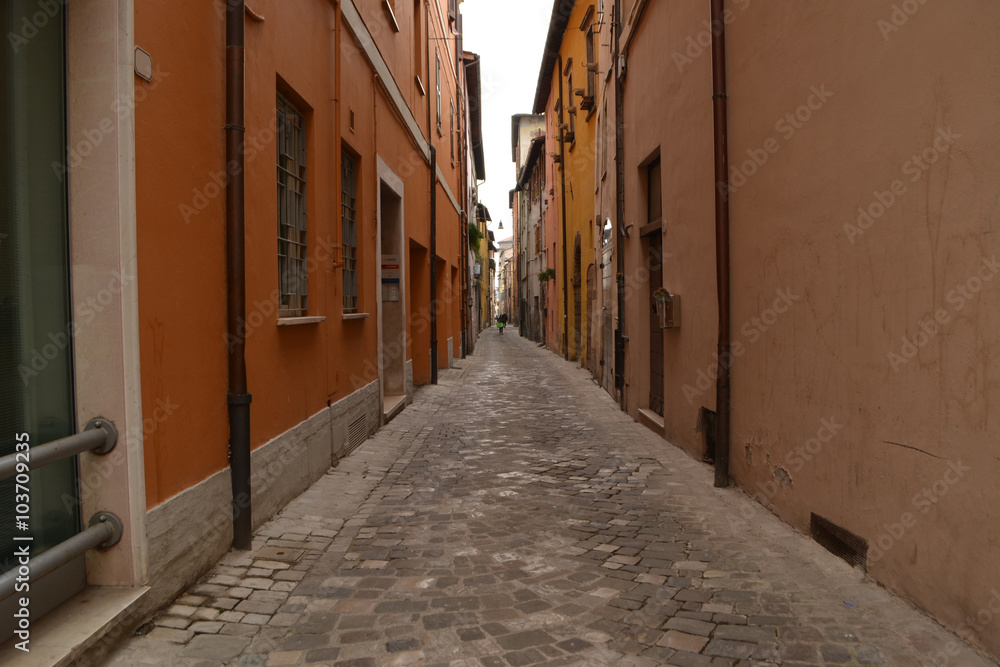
(110,434)
(117,529)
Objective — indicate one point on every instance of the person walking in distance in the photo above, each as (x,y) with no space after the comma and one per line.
(501,322)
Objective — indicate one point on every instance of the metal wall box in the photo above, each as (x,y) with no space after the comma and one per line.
(668,309)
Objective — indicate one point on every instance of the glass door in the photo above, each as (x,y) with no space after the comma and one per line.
(36,341)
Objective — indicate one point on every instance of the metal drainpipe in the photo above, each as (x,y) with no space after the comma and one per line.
(433,170)
(562,174)
(434,321)
(238,397)
(721,114)
(464,281)
(461,220)
(620,337)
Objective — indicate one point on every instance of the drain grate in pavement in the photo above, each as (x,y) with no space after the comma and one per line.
(280,554)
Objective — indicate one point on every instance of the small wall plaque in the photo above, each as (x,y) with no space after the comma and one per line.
(143,64)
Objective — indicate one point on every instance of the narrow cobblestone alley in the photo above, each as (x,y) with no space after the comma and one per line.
(513,516)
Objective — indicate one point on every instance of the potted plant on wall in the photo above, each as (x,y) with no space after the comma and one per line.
(547,274)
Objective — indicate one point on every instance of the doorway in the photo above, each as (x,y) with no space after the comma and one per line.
(655,261)
(577,300)
(391,297)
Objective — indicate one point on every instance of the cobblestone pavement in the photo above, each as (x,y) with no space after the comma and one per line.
(513,516)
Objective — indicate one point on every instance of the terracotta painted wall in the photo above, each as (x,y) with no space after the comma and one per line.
(302,50)
(182,307)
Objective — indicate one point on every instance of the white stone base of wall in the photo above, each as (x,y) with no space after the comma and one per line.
(408,371)
(190,532)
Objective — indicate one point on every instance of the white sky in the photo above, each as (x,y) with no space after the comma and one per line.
(509,35)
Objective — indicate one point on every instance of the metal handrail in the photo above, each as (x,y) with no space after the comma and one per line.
(105,530)
(99,436)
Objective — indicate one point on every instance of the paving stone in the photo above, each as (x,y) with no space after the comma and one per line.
(729,649)
(868,655)
(182,611)
(682,641)
(215,648)
(322,655)
(520,640)
(690,626)
(206,627)
(250,607)
(402,645)
(175,622)
(255,619)
(744,633)
(172,635)
(834,653)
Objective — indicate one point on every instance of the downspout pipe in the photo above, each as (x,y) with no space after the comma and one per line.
(620,336)
(720,104)
(433,179)
(562,174)
(434,321)
(238,398)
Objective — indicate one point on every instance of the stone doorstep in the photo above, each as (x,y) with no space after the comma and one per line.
(81,622)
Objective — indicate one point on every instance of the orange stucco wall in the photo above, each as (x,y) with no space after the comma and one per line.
(304,51)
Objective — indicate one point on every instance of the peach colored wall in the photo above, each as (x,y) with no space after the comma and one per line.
(819,390)
(668,109)
(849,400)
(303,50)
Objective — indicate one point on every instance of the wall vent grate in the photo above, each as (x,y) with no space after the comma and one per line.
(357,432)
(840,541)
(706,423)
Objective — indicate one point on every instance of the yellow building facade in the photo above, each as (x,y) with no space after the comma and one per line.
(567,95)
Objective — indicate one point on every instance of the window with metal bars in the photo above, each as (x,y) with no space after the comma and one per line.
(293,276)
(438,80)
(349,228)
